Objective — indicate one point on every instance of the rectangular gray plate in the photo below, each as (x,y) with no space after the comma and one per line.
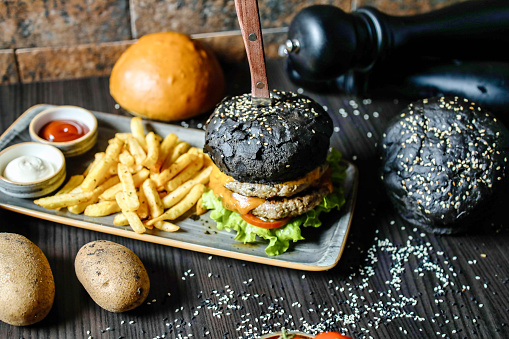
(321,250)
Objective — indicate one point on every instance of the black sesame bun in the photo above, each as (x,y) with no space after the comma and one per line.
(444,162)
(272,144)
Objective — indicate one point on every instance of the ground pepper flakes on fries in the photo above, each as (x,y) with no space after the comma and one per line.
(146,180)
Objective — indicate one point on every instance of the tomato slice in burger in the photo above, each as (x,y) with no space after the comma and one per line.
(258,222)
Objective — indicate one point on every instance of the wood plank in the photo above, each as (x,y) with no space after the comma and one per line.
(393,281)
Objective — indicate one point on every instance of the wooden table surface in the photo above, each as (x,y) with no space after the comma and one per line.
(393,280)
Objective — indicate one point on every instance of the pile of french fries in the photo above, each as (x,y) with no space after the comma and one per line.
(146,180)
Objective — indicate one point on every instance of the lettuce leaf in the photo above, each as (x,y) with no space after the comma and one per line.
(279,239)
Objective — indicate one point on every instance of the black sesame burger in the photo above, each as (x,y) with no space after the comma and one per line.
(445,164)
(273,169)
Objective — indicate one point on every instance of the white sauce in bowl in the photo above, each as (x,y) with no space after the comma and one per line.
(28,168)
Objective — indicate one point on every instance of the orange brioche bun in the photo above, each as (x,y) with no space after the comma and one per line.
(167,76)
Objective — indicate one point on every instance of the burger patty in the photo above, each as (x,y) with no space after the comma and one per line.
(266,191)
(290,207)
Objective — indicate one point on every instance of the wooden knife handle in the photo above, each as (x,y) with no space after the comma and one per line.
(249,21)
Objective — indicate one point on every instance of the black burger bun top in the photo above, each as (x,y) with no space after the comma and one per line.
(272,144)
(444,163)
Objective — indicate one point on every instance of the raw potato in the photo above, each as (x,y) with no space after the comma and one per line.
(27,288)
(113,275)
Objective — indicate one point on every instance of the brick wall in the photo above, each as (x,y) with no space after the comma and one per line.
(44,40)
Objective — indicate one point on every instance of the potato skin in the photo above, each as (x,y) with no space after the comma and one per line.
(113,275)
(27,287)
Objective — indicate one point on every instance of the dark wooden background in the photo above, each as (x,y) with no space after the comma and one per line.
(393,280)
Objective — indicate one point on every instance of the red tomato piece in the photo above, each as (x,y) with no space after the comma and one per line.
(331,335)
(255,221)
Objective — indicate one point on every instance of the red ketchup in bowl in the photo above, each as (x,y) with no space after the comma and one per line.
(63,130)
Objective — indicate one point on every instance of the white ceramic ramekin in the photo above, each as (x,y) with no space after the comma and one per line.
(37,188)
(81,115)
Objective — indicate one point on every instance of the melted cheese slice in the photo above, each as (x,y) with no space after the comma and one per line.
(309,178)
(231,200)
(242,204)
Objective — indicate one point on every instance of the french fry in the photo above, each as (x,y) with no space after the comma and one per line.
(98,172)
(136,150)
(79,208)
(63,200)
(182,162)
(135,168)
(138,131)
(166,226)
(113,170)
(123,136)
(199,208)
(194,150)
(102,208)
(120,220)
(143,210)
(182,207)
(184,175)
(153,200)
(133,218)
(126,158)
(110,193)
(177,151)
(138,179)
(150,227)
(175,196)
(115,146)
(203,176)
(73,182)
(77,189)
(106,185)
(140,176)
(152,140)
(97,157)
(135,222)
(164,149)
(128,187)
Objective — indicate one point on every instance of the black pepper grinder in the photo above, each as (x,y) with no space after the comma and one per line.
(324,42)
